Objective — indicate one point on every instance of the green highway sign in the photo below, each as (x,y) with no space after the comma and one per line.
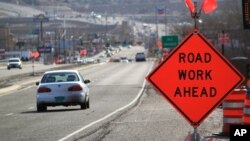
(169,41)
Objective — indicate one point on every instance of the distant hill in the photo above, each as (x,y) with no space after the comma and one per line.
(83,3)
(175,8)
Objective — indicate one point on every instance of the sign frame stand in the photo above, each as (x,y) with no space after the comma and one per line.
(158,76)
(196,136)
(196,15)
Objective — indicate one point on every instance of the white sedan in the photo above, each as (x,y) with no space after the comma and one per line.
(62,87)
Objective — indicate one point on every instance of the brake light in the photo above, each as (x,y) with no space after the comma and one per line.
(43,90)
(75,88)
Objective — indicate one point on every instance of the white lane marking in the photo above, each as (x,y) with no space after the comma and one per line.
(9,114)
(16,87)
(7,91)
(109,115)
(27,87)
(30,108)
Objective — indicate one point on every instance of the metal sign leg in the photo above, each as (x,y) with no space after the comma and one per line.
(196,136)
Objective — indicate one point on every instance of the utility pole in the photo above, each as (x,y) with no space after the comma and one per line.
(64,47)
(106,25)
(106,28)
(165,20)
(223,42)
(156,22)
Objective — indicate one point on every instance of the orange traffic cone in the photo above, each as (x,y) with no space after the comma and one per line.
(233,109)
(246,111)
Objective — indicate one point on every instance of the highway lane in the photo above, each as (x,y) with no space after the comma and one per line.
(113,86)
(38,67)
(27,68)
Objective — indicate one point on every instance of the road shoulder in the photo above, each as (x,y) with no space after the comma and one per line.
(155,119)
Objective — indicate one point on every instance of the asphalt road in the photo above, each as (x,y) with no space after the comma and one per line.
(113,85)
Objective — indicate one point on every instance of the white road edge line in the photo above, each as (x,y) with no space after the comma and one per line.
(30,108)
(109,115)
(9,114)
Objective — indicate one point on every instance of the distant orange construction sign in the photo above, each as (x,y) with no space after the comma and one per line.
(195,78)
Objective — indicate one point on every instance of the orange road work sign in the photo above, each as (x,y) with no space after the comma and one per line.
(195,78)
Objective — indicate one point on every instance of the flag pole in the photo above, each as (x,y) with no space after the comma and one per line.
(196,14)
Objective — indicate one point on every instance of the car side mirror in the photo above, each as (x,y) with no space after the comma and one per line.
(86,81)
(37,83)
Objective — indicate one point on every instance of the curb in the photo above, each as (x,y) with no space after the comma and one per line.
(10,88)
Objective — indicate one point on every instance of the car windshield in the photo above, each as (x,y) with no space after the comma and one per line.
(14,60)
(140,54)
(60,77)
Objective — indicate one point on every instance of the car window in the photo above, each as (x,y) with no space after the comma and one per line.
(60,77)
(140,55)
(14,60)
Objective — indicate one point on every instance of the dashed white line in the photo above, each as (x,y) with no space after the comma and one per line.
(9,114)
(30,108)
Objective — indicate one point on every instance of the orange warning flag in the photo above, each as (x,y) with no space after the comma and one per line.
(190,5)
(209,6)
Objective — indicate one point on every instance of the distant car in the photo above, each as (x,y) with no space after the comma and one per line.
(14,63)
(90,60)
(124,60)
(62,87)
(140,56)
(78,61)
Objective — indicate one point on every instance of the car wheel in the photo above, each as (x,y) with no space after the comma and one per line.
(8,68)
(84,105)
(41,108)
(88,103)
(20,67)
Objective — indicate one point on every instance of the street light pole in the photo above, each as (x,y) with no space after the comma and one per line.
(73,46)
(42,43)
(106,25)
(156,22)
(64,47)
(165,20)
